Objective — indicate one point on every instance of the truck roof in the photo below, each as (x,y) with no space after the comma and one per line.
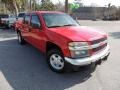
(45,12)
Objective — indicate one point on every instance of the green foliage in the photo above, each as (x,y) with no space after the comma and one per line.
(15,5)
(74,6)
(47,6)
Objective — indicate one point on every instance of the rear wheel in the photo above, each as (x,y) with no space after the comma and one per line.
(20,39)
(56,60)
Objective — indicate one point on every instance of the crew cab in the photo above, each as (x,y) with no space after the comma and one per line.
(65,43)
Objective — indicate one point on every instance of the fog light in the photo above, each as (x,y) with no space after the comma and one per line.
(80,53)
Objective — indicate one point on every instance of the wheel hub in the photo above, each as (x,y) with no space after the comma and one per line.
(56,61)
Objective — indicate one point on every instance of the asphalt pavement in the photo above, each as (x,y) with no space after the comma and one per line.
(25,68)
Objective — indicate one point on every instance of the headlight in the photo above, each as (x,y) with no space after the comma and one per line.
(79,49)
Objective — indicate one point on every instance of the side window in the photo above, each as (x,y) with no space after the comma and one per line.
(35,22)
(27,19)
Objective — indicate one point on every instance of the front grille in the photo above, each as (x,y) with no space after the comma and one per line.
(100,45)
(99,48)
(98,40)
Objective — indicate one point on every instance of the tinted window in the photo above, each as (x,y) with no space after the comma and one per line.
(35,22)
(21,15)
(27,19)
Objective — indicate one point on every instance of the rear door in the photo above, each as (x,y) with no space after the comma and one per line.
(25,27)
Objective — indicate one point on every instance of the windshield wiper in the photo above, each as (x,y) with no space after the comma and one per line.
(62,25)
(70,25)
(54,26)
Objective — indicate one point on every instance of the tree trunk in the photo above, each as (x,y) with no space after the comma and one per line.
(30,5)
(16,8)
(66,6)
(4,9)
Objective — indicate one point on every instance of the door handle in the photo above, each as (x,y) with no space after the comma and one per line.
(30,29)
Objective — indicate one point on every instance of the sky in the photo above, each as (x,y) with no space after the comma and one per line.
(97,2)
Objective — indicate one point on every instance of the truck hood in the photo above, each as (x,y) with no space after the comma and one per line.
(78,33)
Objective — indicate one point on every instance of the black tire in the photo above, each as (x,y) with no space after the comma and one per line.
(20,39)
(7,27)
(57,52)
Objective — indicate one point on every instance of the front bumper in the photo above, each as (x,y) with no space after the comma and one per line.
(86,61)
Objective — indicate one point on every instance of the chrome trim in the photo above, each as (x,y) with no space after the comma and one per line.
(89,60)
(88,47)
(98,44)
(79,48)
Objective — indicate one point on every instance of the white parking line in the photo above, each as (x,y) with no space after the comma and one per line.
(6,39)
(4,84)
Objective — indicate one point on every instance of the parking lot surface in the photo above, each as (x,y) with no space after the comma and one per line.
(25,68)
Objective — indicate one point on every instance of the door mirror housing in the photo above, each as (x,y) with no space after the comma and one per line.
(16,18)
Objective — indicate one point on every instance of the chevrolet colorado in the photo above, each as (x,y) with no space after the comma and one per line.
(65,42)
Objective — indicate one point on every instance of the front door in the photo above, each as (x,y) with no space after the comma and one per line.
(36,32)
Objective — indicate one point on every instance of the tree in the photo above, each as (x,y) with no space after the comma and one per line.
(45,1)
(15,5)
(66,6)
(60,7)
(11,4)
(2,7)
(46,6)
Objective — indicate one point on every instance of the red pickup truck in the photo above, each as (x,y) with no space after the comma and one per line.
(65,42)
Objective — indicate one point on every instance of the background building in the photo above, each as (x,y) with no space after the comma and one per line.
(93,13)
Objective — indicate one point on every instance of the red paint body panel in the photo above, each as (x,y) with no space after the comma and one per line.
(78,33)
(60,36)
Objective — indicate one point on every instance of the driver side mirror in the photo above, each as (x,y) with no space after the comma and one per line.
(16,18)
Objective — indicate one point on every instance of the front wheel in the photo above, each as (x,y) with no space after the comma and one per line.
(56,60)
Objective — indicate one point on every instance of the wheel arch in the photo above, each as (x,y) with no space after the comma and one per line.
(50,45)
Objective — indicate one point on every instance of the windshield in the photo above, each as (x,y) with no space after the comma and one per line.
(58,20)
